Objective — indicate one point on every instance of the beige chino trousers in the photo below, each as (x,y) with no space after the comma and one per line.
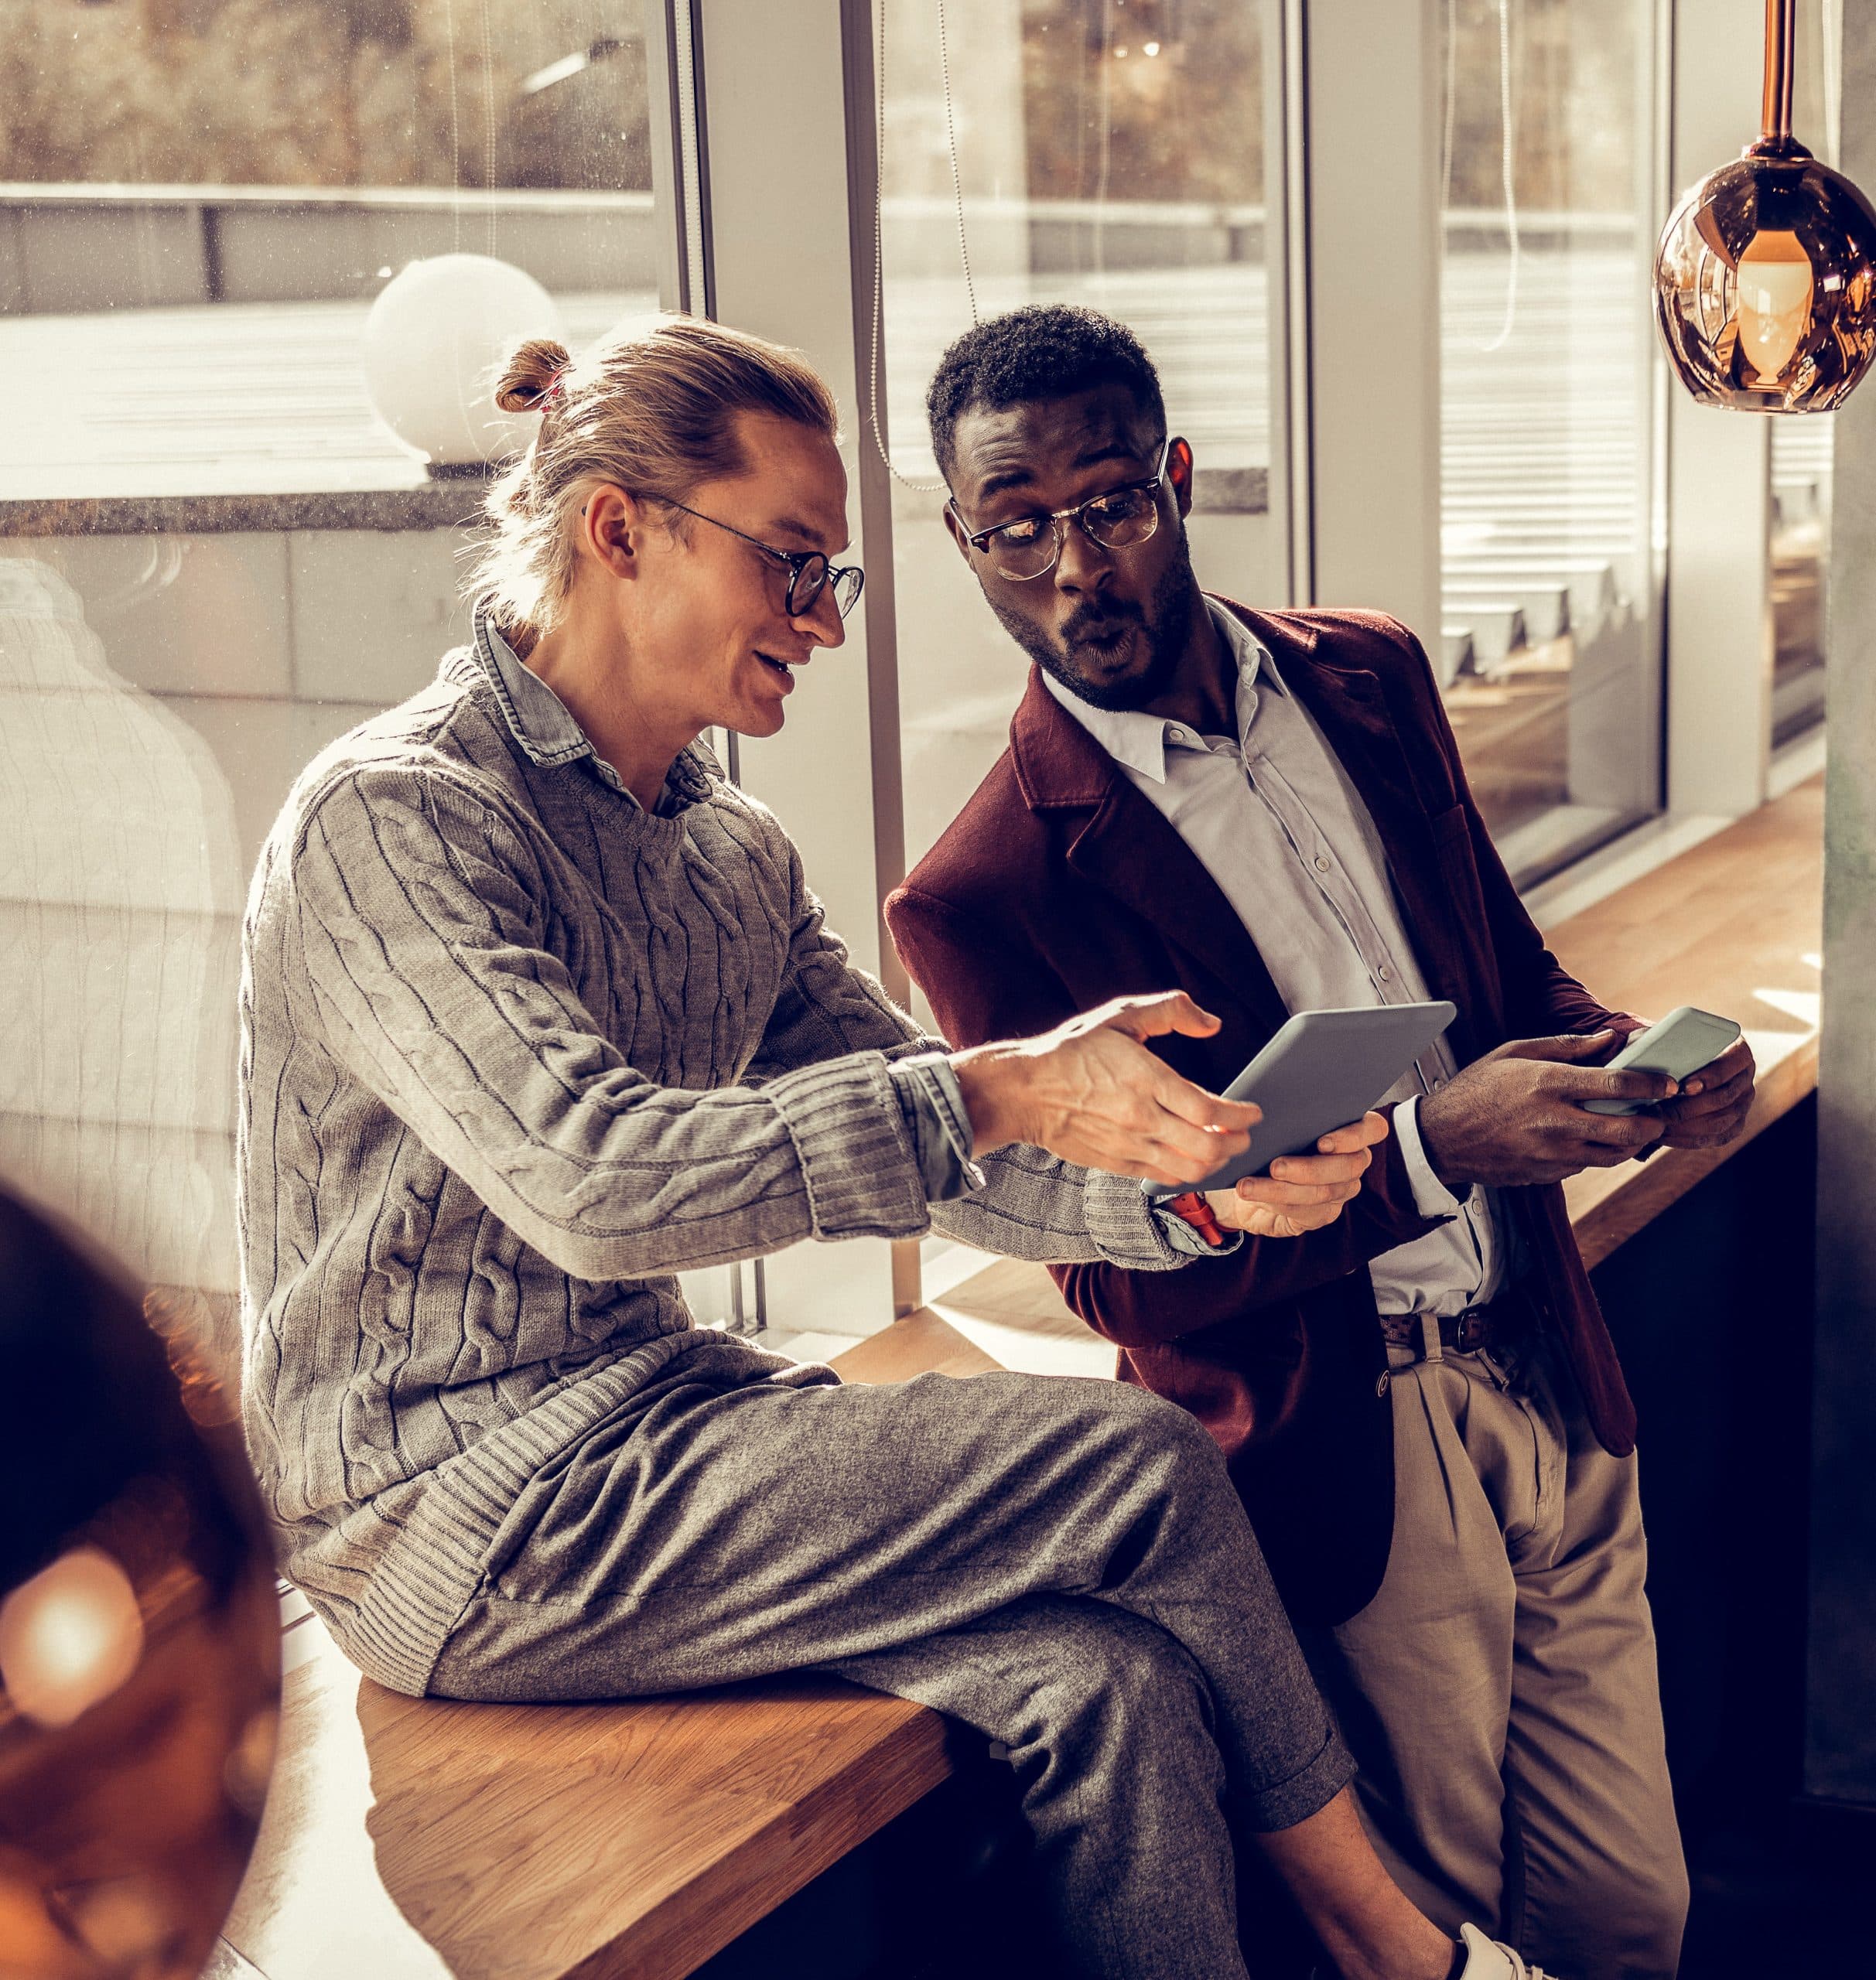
(1500,1692)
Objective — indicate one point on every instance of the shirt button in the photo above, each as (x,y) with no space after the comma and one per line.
(1322,864)
(1385,974)
(1439,1083)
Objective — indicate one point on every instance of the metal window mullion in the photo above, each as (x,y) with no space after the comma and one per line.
(1719,642)
(1656,196)
(788,140)
(693,157)
(1360,97)
(1286,279)
(680,156)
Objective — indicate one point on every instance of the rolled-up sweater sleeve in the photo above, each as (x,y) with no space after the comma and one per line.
(419,907)
(1018,1201)
(420,921)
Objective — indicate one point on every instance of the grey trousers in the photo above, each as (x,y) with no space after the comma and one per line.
(1061,1563)
(1500,1691)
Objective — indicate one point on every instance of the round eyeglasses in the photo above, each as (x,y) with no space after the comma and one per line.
(809,572)
(1029,547)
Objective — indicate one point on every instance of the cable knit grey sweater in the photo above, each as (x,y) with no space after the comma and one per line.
(514,1052)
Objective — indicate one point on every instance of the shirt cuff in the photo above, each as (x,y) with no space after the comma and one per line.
(932,1102)
(1431,1196)
(1182,1237)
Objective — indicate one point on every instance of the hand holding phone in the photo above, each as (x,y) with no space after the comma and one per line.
(1683,1042)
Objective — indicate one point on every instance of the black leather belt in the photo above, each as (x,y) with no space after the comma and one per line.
(1507,1321)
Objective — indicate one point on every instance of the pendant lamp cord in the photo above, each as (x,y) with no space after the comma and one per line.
(1104,118)
(876,343)
(1507,162)
(1781,30)
(456,130)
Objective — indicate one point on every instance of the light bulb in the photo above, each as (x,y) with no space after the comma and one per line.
(1775,300)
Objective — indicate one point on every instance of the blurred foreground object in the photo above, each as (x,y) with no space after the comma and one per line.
(139,1636)
(434,340)
(1765,278)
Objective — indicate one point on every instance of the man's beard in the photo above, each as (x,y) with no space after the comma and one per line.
(1167,621)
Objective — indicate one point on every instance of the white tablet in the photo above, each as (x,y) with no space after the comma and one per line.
(1323,1070)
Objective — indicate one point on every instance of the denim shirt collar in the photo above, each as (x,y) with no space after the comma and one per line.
(543,725)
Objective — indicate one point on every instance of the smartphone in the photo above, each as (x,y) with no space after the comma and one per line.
(1683,1042)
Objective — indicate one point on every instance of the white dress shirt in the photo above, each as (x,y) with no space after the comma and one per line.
(1273,818)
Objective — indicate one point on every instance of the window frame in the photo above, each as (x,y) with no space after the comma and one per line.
(1338,225)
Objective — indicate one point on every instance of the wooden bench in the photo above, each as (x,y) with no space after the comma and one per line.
(405,1839)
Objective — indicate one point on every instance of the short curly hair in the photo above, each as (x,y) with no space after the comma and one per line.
(1046,350)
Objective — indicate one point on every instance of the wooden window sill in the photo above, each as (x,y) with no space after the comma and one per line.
(1734,925)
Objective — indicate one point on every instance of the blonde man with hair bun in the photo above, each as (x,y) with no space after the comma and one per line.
(538,1010)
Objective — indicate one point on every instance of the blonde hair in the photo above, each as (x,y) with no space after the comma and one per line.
(654,413)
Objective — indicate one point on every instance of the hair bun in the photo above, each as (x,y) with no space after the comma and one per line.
(530,374)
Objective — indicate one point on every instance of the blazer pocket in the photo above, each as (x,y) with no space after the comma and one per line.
(1457,862)
(1449,825)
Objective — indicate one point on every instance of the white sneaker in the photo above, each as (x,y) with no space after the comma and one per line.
(1488,1959)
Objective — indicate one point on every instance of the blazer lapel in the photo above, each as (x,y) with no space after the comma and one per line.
(1350,706)
(1129,850)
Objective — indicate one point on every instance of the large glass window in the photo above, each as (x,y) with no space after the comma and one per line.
(213,558)
(1108,155)
(1550,640)
(1803,457)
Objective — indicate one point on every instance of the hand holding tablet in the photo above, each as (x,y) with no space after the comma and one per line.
(1325,1069)
(1302,1193)
(1322,1070)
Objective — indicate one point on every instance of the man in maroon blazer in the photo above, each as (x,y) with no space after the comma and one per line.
(1420,1403)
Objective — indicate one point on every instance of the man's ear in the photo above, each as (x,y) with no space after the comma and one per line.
(612,527)
(1179,471)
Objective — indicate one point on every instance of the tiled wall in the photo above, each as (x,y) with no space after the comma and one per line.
(267,645)
(157,695)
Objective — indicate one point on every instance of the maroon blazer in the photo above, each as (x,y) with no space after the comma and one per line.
(1059,886)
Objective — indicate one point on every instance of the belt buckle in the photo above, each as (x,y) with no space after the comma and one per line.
(1472,1330)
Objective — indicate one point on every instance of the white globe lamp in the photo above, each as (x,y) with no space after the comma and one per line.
(432,344)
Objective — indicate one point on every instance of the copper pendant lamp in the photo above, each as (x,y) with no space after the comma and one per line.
(1765,277)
